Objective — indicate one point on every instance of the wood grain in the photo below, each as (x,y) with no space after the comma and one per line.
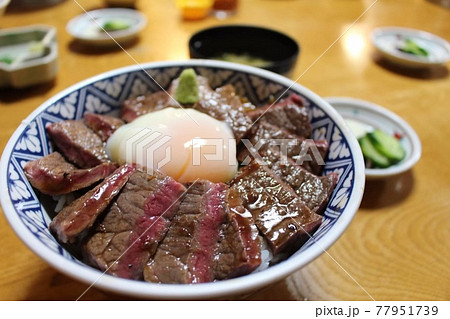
(396,248)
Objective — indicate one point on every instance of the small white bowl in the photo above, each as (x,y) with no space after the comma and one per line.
(387,39)
(87,27)
(380,118)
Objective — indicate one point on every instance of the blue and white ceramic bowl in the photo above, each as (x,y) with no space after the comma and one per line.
(104,94)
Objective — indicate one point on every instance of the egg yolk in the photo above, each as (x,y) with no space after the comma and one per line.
(183,143)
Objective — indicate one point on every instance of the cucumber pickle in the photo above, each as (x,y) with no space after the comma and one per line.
(387,145)
(380,149)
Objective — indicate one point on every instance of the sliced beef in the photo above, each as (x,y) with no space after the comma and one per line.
(135,107)
(312,162)
(212,236)
(224,105)
(81,214)
(302,151)
(264,135)
(53,175)
(290,114)
(103,125)
(134,224)
(313,190)
(78,143)
(239,248)
(280,215)
(187,252)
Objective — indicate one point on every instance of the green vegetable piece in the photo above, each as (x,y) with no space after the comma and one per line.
(387,145)
(115,25)
(36,47)
(6,59)
(244,58)
(412,47)
(370,153)
(187,89)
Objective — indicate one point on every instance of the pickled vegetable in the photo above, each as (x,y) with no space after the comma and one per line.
(387,145)
(371,154)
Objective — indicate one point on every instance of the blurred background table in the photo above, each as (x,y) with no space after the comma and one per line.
(397,246)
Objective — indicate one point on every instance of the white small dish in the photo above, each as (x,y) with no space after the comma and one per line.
(388,39)
(87,27)
(375,116)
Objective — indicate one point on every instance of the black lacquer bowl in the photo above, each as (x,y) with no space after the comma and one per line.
(280,50)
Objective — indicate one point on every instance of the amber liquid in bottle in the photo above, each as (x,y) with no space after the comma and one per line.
(224,8)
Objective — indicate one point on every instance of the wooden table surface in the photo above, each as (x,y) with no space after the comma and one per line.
(397,246)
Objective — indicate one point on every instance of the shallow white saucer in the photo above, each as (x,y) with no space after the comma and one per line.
(380,118)
(87,27)
(387,40)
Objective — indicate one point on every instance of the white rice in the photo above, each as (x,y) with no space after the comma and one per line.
(266,256)
(62,201)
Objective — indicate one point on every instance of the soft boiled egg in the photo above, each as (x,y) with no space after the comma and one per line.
(183,143)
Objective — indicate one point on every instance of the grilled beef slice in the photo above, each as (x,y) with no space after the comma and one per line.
(81,214)
(313,190)
(290,114)
(134,224)
(186,253)
(224,105)
(239,248)
(135,107)
(280,215)
(103,125)
(78,143)
(53,175)
(211,237)
(264,135)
